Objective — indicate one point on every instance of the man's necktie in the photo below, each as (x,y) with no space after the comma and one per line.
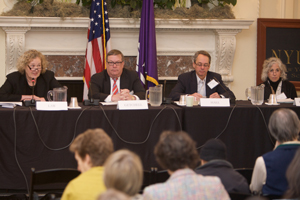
(115,87)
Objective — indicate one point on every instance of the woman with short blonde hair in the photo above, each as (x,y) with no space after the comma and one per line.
(123,171)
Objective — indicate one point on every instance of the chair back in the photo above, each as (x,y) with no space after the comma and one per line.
(153,176)
(51,180)
(238,196)
(13,197)
(246,172)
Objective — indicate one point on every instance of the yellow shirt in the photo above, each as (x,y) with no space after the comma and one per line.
(87,185)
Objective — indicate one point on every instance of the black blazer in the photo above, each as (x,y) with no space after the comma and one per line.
(187,84)
(16,85)
(100,84)
(287,87)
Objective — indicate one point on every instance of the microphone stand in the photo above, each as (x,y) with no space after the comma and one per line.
(91,101)
(31,102)
(232,100)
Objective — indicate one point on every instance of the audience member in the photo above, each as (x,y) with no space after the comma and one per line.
(293,178)
(275,80)
(124,172)
(201,82)
(116,83)
(269,171)
(214,163)
(112,194)
(176,152)
(32,71)
(91,149)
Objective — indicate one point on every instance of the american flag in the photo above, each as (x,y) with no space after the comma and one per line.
(98,42)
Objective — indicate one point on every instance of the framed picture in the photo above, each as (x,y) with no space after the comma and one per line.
(279,38)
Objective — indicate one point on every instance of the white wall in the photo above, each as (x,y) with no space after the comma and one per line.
(244,65)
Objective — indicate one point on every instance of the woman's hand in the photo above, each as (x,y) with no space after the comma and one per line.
(29,97)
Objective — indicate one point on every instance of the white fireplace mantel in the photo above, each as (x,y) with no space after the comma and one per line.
(54,36)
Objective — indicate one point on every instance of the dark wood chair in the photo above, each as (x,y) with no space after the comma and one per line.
(238,196)
(246,172)
(13,197)
(50,182)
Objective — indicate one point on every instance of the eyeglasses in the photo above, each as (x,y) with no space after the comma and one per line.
(114,63)
(33,68)
(200,64)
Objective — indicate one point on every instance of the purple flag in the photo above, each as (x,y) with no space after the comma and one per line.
(146,60)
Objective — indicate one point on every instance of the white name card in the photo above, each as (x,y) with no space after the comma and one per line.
(51,105)
(297,101)
(214,102)
(132,105)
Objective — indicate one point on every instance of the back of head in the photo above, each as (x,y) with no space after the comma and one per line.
(213,149)
(293,177)
(123,171)
(176,150)
(112,194)
(284,125)
(94,142)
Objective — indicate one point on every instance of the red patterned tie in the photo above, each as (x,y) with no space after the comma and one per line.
(115,87)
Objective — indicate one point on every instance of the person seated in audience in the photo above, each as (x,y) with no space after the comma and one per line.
(115,82)
(32,71)
(123,171)
(91,149)
(275,79)
(201,82)
(214,163)
(112,194)
(269,171)
(293,178)
(176,152)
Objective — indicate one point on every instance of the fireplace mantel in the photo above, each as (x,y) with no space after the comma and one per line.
(175,37)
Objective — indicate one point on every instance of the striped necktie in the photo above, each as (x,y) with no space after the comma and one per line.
(115,87)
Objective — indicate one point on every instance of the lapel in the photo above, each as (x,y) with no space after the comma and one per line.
(208,79)
(124,83)
(193,82)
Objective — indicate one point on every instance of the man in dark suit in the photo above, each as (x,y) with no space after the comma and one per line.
(201,82)
(116,83)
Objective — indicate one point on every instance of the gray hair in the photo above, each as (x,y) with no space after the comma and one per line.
(284,125)
(202,52)
(268,64)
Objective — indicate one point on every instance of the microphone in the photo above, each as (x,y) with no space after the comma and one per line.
(165,99)
(33,84)
(31,102)
(91,101)
(232,100)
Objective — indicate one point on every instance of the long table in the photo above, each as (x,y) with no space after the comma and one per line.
(40,139)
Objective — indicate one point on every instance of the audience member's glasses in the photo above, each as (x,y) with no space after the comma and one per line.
(33,68)
(200,64)
(114,63)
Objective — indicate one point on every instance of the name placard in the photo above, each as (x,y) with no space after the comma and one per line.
(51,105)
(297,101)
(132,105)
(214,102)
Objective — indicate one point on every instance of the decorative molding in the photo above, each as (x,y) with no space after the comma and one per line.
(9,4)
(15,45)
(174,37)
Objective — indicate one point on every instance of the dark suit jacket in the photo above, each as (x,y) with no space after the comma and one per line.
(287,87)
(16,85)
(187,84)
(232,180)
(100,84)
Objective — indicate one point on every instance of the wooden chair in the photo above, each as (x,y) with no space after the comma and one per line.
(51,181)
(246,172)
